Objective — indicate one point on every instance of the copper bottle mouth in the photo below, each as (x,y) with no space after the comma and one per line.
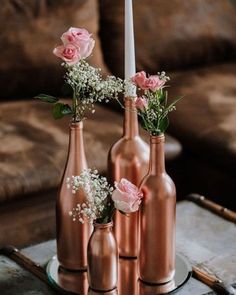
(155,139)
(76,125)
(103,225)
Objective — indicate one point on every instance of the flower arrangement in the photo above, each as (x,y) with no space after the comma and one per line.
(86,82)
(152,102)
(101,198)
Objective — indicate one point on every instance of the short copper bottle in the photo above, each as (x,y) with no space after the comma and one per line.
(102,258)
(128,158)
(157,226)
(72,236)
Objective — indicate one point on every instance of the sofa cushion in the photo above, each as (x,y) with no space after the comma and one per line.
(170,34)
(205,118)
(29,32)
(34,146)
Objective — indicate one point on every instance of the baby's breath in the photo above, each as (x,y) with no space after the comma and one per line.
(89,87)
(98,205)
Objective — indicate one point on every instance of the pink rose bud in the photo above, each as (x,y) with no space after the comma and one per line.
(140,80)
(81,39)
(154,83)
(126,196)
(69,53)
(141,103)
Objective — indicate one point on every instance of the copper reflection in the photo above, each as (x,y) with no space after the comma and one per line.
(157,251)
(72,237)
(112,292)
(145,289)
(72,281)
(128,158)
(128,276)
(102,258)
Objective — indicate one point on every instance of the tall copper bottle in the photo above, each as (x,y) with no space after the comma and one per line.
(102,258)
(72,236)
(157,250)
(128,158)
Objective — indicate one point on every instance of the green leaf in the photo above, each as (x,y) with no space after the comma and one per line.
(162,96)
(123,213)
(164,123)
(60,110)
(47,98)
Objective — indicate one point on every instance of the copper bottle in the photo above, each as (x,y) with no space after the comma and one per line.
(72,236)
(157,224)
(73,281)
(102,258)
(128,158)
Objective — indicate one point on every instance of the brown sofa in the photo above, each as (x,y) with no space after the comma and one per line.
(194,40)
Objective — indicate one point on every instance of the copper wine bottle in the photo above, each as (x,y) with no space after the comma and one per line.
(72,236)
(102,258)
(157,221)
(128,158)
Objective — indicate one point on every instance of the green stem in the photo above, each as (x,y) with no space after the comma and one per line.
(74,105)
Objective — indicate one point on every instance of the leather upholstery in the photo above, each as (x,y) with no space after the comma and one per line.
(29,30)
(33,146)
(205,124)
(205,118)
(170,35)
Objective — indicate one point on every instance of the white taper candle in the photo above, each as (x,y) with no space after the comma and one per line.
(130,67)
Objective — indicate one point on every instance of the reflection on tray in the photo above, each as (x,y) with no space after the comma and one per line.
(75,282)
(128,282)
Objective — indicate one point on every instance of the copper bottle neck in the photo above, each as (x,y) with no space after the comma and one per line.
(130,119)
(76,142)
(157,154)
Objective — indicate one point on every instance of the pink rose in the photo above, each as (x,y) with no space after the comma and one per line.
(140,80)
(81,39)
(126,196)
(69,53)
(154,83)
(141,103)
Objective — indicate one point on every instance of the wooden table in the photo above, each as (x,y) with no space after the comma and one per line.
(204,238)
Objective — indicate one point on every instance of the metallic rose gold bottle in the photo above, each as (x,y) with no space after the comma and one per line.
(128,158)
(157,221)
(72,236)
(102,258)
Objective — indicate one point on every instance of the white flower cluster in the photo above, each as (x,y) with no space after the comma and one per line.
(89,86)
(97,192)
(129,88)
(162,76)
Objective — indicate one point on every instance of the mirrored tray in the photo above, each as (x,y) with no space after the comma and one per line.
(72,282)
